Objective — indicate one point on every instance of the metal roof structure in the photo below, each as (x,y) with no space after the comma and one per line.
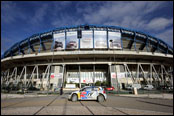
(167,49)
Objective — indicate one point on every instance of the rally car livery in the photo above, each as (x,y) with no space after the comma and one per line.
(89,93)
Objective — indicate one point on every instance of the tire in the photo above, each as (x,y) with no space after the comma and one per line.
(74,97)
(100,98)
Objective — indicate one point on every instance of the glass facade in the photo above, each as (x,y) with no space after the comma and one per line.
(86,77)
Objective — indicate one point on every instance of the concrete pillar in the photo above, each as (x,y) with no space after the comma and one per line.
(8,76)
(151,74)
(117,70)
(113,76)
(63,72)
(48,77)
(37,71)
(16,75)
(25,76)
(126,74)
(162,75)
(94,74)
(137,72)
(79,76)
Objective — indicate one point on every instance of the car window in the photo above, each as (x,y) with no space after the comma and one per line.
(95,89)
(88,89)
(83,89)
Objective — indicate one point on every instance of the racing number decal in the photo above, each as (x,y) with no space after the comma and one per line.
(90,94)
(84,95)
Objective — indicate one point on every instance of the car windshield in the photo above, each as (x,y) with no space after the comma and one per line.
(85,88)
(89,88)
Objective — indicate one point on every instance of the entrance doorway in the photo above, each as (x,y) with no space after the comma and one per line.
(86,75)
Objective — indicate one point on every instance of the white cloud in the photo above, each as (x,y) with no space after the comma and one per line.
(167,36)
(11,13)
(39,15)
(160,23)
(134,15)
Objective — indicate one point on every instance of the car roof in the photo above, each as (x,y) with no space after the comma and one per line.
(91,86)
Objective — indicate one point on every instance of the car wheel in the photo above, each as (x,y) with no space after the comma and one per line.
(100,98)
(74,98)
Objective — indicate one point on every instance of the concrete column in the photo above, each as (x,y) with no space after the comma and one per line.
(16,74)
(151,74)
(31,77)
(63,72)
(162,75)
(94,74)
(48,77)
(137,73)
(114,81)
(116,68)
(37,72)
(8,76)
(79,77)
(25,76)
(109,68)
(126,74)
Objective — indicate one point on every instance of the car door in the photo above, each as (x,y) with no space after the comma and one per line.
(87,94)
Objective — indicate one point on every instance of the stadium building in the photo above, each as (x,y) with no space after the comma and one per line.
(85,54)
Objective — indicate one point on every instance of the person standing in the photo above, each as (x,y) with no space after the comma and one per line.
(61,90)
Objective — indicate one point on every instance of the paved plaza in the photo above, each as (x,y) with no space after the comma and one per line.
(60,105)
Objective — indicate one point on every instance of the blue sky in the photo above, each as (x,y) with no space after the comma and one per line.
(20,20)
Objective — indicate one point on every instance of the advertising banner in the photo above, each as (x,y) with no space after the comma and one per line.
(86,77)
(113,75)
(54,76)
(114,40)
(73,80)
(59,41)
(71,86)
(72,41)
(87,39)
(120,75)
(100,40)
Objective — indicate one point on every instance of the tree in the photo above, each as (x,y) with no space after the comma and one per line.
(98,83)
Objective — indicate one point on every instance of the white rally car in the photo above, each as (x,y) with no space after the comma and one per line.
(89,93)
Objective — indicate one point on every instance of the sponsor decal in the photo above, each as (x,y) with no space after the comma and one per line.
(52,76)
(84,95)
(113,75)
(78,94)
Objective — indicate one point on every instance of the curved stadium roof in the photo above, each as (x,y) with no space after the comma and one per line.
(156,43)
